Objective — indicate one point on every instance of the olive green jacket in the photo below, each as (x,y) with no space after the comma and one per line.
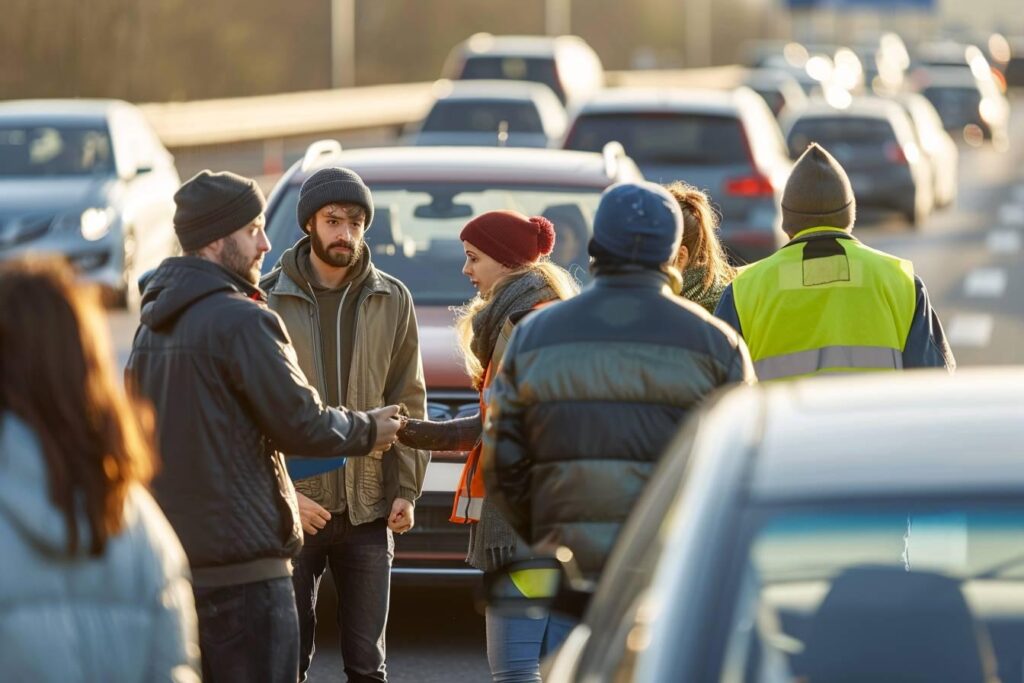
(386,369)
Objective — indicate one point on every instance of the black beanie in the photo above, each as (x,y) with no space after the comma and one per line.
(817,194)
(334,185)
(213,205)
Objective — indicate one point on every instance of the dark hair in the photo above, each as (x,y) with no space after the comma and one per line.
(56,375)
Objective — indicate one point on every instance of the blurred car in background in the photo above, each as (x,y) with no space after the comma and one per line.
(777,88)
(502,113)
(875,142)
(780,541)
(725,142)
(89,180)
(1014,69)
(937,145)
(885,60)
(971,108)
(951,55)
(423,196)
(566,64)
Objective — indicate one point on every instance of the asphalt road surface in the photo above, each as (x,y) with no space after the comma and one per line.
(970,256)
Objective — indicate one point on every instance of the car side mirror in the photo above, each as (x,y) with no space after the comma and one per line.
(536,586)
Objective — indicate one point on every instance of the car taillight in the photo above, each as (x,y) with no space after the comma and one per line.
(894,153)
(755,185)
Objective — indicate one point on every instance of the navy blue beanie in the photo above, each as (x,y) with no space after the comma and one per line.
(334,185)
(638,223)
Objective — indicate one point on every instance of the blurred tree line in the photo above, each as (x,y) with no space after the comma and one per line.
(162,50)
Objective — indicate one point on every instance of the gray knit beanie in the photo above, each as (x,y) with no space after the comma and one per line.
(817,194)
(213,205)
(334,185)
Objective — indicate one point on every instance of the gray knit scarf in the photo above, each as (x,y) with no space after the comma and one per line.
(694,290)
(492,542)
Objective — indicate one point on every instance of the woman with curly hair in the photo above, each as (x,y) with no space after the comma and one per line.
(507,262)
(701,259)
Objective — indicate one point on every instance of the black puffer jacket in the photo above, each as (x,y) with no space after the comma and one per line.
(590,393)
(221,373)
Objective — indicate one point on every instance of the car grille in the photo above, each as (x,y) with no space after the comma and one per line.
(451,404)
(434,539)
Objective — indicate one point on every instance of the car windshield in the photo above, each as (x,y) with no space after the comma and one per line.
(415,231)
(483,116)
(664,139)
(534,69)
(847,131)
(879,588)
(54,150)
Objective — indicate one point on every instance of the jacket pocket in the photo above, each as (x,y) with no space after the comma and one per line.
(369,478)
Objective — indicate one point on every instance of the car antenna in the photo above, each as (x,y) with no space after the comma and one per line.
(502,133)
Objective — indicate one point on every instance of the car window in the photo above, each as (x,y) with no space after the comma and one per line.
(956,106)
(535,69)
(934,589)
(415,230)
(55,150)
(483,116)
(850,131)
(664,138)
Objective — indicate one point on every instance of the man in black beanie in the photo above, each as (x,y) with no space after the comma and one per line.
(825,303)
(354,329)
(228,393)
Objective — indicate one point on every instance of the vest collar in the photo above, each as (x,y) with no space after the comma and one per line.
(823,232)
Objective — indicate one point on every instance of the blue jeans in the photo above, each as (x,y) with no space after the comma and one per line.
(360,559)
(515,645)
(249,632)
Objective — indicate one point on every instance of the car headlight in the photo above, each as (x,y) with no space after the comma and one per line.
(95,223)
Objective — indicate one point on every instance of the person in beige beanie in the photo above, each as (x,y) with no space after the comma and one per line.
(825,303)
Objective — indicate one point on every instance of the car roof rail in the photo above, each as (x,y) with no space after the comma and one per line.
(318,150)
(613,153)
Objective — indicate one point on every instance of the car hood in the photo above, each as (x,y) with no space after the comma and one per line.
(442,365)
(52,195)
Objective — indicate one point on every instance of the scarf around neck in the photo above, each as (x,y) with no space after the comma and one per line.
(693,289)
(520,295)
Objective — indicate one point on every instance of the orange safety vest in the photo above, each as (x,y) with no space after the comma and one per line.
(469,496)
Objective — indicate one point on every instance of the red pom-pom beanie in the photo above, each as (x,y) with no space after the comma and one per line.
(509,237)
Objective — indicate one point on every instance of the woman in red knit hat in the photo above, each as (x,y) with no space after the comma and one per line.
(507,262)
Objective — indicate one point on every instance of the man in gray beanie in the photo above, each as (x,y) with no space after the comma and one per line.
(825,303)
(361,350)
(228,393)
(592,389)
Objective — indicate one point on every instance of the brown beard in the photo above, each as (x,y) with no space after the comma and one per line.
(337,260)
(234,260)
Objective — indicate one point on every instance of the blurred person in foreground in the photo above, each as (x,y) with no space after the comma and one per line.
(591,390)
(507,260)
(701,259)
(94,584)
(826,303)
(354,331)
(229,395)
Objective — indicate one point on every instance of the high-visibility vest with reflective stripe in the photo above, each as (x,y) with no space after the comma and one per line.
(825,303)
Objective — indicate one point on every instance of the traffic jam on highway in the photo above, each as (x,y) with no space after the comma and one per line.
(668,376)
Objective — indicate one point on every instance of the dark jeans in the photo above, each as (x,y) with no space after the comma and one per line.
(249,632)
(360,560)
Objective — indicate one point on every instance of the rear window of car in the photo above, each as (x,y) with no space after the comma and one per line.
(54,150)
(848,130)
(483,117)
(947,100)
(534,69)
(664,138)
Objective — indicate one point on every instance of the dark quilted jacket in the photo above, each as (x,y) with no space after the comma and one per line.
(219,369)
(590,393)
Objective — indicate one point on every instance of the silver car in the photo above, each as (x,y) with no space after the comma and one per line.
(865,529)
(87,179)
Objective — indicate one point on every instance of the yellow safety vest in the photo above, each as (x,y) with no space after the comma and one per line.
(825,303)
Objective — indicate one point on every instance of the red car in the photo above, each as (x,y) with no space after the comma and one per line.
(422,198)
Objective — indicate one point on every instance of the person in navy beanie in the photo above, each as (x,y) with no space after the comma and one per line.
(592,389)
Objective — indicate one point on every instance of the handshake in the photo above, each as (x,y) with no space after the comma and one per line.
(389,419)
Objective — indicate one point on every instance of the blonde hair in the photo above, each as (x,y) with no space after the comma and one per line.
(561,282)
(700,234)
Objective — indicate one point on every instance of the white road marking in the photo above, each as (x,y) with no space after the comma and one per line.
(442,476)
(1011,214)
(1003,241)
(985,282)
(970,329)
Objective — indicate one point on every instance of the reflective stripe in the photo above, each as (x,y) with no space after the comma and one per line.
(829,358)
(470,508)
